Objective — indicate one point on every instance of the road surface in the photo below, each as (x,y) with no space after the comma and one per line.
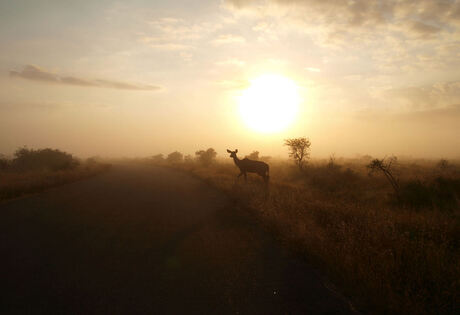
(141,239)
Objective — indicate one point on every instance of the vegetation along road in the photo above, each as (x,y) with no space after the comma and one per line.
(141,239)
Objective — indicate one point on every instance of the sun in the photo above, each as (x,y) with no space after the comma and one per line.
(270,104)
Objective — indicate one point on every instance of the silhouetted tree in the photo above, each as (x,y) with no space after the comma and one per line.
(265,158)
(4,162)
(443,164)
(188,158)
(298,150)
(158,158)
(253,156)
(332,164)
(206,157)
(55,160)
(385,166)
(175,157)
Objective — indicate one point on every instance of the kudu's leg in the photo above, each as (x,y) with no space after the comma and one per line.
(245,177)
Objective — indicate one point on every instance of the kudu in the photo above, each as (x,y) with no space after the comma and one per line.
(249,166)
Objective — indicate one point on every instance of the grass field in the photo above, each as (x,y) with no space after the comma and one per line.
(14,183)
(388,256)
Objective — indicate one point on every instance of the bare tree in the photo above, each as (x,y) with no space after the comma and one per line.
(299,150)
(385,166)
(443,164)
(332,164)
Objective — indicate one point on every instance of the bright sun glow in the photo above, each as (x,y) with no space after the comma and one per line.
(270,103)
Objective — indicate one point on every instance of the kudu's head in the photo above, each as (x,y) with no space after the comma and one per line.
(233,153)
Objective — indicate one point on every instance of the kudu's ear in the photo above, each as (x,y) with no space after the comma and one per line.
(229,151)
(236,150)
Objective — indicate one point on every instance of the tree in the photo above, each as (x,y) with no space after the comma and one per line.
(158,158)
(332,164)
(253,156)
(265,158)
(188,159)
(206,157)
(443,164)
(43,159)
(4,162)
(174,157)
(386,168)
(298,150)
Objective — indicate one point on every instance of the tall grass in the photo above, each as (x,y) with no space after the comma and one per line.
(15,183)
(390,258)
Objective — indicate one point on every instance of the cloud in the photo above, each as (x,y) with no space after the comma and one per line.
(451,112)
(174,34)
(228,39)
(337,19)
(424,30)
(394,36)
(445,116)
(34,73)
(233,84)
(436,96)
(171,47)
(231,62)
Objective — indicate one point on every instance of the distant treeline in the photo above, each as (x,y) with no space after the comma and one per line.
(204,157)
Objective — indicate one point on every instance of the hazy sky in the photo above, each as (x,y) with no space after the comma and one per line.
(127,78)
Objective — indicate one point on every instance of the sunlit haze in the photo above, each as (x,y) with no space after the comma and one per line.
(269,104)
(138,78)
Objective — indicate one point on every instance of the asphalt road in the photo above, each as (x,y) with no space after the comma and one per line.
(141,239)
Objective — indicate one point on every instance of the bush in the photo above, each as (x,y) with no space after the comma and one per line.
(4,163)
(253,156)
(442,194)
(43,159)
(331,178)
(207,157)
(175,157)
(158,158)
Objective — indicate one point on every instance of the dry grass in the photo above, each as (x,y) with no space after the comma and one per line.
(14,184)
(387,258)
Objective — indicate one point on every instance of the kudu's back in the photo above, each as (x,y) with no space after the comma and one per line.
(252,166)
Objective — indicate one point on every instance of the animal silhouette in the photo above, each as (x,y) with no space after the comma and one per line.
(250,166)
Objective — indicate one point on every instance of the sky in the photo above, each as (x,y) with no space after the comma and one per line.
(137,78)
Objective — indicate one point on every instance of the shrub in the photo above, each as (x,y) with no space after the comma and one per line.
(253,156)
(43,159)
(158,158)
(442,194)
(207,157)
(175,157)
(331,178)
(4,163)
